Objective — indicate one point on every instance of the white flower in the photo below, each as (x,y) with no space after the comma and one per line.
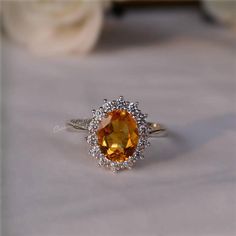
(54,26)
(223,10)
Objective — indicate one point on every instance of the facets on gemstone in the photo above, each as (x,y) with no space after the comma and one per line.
(118,135)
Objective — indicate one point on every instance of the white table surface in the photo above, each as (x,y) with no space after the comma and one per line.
(182,71)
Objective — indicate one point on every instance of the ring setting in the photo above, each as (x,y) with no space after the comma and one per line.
(118,133)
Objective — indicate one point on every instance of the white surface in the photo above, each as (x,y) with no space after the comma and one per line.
(183,73)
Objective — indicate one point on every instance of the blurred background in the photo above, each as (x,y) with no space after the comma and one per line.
(53,27)
(60,59)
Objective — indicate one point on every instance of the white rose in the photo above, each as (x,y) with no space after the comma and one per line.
(222,10)
(54,26)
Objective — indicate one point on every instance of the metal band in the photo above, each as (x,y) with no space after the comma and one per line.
(78,124)
(156,129)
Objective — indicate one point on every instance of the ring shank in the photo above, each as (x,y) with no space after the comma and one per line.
(81,125)
(156,130)
(78,124)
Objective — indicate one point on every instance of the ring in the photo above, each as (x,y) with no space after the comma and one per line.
(117,133)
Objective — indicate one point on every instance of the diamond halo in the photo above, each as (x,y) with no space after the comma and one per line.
(143,131)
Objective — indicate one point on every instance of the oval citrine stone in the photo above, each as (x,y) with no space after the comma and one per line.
(118,135)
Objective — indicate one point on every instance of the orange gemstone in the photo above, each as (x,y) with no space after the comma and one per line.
(118,135)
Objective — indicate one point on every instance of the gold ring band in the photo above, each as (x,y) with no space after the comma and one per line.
(117,133)
(156,130)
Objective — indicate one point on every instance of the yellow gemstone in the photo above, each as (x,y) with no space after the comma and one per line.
(118,135)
